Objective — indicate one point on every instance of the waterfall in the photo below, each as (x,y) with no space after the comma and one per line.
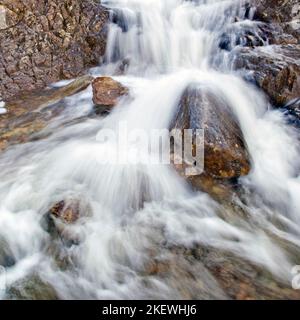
(135,212)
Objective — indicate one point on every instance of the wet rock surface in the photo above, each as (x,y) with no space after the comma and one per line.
(225,154)
(31,288)
(274,64)
(292,112)
(282,12)
(31,113)
(186,276)
(60,224)
(275,69)
(7,258)
(203,272)
(67,212)
(45,41)
(241,279)
(280,17)
(107,91)
(63,215)
(44,98)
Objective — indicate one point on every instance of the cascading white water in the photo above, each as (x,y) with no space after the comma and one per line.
(131,210)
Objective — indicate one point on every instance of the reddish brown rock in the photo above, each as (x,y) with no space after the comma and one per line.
(107,91)
(68,212)
(61,218)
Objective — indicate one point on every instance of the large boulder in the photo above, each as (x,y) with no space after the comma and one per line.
(45,41)
(275,69)
(225,154)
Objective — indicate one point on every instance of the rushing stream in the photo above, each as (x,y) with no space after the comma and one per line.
(132,213)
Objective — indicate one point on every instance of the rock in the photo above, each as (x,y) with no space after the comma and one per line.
(48,97)
(68,212)
(62,216)
(225,154)
(60,223)
(293,105)
(280,11)
(291,112)
(31,288)
(241,279)
(275,69)
(107,91)
(219,189)
(7,258)
(279,14)
(204,272)
(8,18)
(31,113)
(3,24)
(274,66)
(42,42)
(187,278)
(276,35)
(246,39)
